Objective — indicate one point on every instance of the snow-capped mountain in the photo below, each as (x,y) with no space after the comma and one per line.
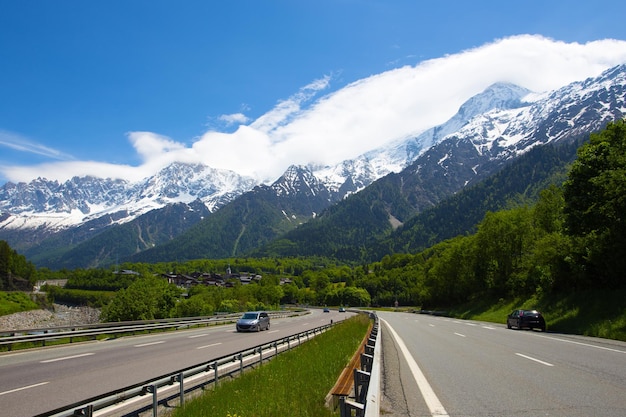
(56,206)
(499,124)
(353,175)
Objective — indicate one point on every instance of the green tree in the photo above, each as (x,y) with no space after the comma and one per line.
(503,241)
(145,299)
(595,206)
(15,271)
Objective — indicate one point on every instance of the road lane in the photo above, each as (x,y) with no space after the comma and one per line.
(40,380)
(493,371)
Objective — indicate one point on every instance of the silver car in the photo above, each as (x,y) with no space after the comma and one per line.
(253,321)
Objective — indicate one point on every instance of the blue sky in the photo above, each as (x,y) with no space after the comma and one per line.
(121,88)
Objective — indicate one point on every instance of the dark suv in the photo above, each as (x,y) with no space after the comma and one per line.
(253,321)
(529,319)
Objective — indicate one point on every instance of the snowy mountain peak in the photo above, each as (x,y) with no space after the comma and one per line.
(498,96)
(354,175)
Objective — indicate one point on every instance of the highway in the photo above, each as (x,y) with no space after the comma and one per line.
(39,380)
(446,367)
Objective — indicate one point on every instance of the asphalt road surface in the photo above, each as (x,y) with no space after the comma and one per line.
(40,380)
(436,366)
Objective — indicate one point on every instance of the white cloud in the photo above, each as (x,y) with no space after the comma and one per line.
(235,118)
(363,115)
(22,144)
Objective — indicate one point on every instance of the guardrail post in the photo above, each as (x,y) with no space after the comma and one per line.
(366,362)
(240,357)
(86,412)
(180,379)
(361,382)
(152,389)
(275,348)
(215,370)
(261,355)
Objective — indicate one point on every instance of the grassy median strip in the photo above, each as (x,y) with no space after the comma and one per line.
(294,383)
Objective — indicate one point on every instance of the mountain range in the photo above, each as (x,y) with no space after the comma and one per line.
(192,211)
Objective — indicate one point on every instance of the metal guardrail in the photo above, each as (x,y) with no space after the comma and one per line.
(366,401)
(187,379)
(10,338)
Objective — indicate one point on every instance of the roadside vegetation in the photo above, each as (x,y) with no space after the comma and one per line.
(294,383)
(13,302)
(564,254)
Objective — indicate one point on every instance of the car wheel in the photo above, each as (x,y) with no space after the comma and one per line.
(258,327)
(268,326)
(508,325)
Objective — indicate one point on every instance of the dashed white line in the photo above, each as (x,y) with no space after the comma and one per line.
(23,388)
(66,358)
(151,343)
(431,325)
(198,335)
(534,359)
(208,346)
(433,403)
(459,334)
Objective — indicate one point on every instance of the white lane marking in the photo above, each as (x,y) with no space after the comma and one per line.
(534,359)
(23,388)
(459,334)
(208,346)
(151,343)
(489,327)
(66,358)
(198,335)
(585,344)
(431,325)
(273,331)
(470,324)
(433,403)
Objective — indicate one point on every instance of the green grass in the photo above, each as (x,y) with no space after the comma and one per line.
(294,383)
(597,313)
(14,302)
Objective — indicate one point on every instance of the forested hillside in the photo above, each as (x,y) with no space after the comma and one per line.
(572,240)
(69,249)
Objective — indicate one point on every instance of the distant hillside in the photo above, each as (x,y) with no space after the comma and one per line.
(68,250)
(250,221)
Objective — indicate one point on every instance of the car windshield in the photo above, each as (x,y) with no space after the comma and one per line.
(249,316)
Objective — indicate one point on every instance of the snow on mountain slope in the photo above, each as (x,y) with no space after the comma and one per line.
(502,121)
(365,169)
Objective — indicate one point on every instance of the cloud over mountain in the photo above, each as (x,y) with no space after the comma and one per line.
(324,125)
